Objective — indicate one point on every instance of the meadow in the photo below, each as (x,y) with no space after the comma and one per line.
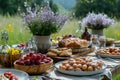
(18,33)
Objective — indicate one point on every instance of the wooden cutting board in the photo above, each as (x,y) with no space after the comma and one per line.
(89,50)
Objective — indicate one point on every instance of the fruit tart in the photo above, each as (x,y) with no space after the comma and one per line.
(8,76)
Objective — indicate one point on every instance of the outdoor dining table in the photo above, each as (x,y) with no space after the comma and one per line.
(113,68)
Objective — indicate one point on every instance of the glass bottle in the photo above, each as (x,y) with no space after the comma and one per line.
(32,45)
(86,35)
(4,42)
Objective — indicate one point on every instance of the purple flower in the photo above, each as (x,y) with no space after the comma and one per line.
(43,16)
(97,21)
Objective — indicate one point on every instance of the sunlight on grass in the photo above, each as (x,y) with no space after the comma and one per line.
(21,35)
(70,27)
(17,33)
(117,77)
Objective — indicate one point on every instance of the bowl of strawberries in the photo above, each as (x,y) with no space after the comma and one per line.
(34,63)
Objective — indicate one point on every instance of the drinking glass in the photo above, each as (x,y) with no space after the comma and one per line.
(95,41)
(102,40)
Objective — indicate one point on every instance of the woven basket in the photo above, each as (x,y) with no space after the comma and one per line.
(7,60)
(34,69)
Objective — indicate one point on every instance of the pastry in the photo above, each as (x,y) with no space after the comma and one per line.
(73,43)
(116,42)
(59,52)
(81,64)
(65,53)
(109,51)
(51,54)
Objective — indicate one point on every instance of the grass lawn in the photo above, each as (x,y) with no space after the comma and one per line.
(117,77)
(19,34)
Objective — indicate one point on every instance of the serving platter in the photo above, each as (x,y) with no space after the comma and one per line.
(79,73)
(74,55)
(20,74)
(108,55)
(117,45)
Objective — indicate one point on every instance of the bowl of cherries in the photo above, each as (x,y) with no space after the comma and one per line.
(34,63)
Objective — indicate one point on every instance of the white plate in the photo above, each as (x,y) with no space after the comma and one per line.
(109,56)
(80,73)
(20,74)
(117,45)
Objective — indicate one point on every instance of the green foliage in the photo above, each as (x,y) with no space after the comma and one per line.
(117,77)
(53,6)
(10,6)
(109,7)
(45,28)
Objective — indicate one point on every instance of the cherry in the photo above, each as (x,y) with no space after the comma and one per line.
(48,58)
(42,62)
(32,61)
(27,62)
(26,57)
(22,59)
(37,62)
(46,61)
(43,56)
(33,57)
(17,62)
(31,54)
(38,57)
(20,62)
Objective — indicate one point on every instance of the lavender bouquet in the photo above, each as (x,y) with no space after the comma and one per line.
(97,21)
(43,21)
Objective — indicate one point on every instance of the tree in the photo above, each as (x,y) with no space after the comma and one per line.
(53,6)
(83,7)
(11,6)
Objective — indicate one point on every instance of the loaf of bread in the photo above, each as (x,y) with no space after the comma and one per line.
(73,43)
